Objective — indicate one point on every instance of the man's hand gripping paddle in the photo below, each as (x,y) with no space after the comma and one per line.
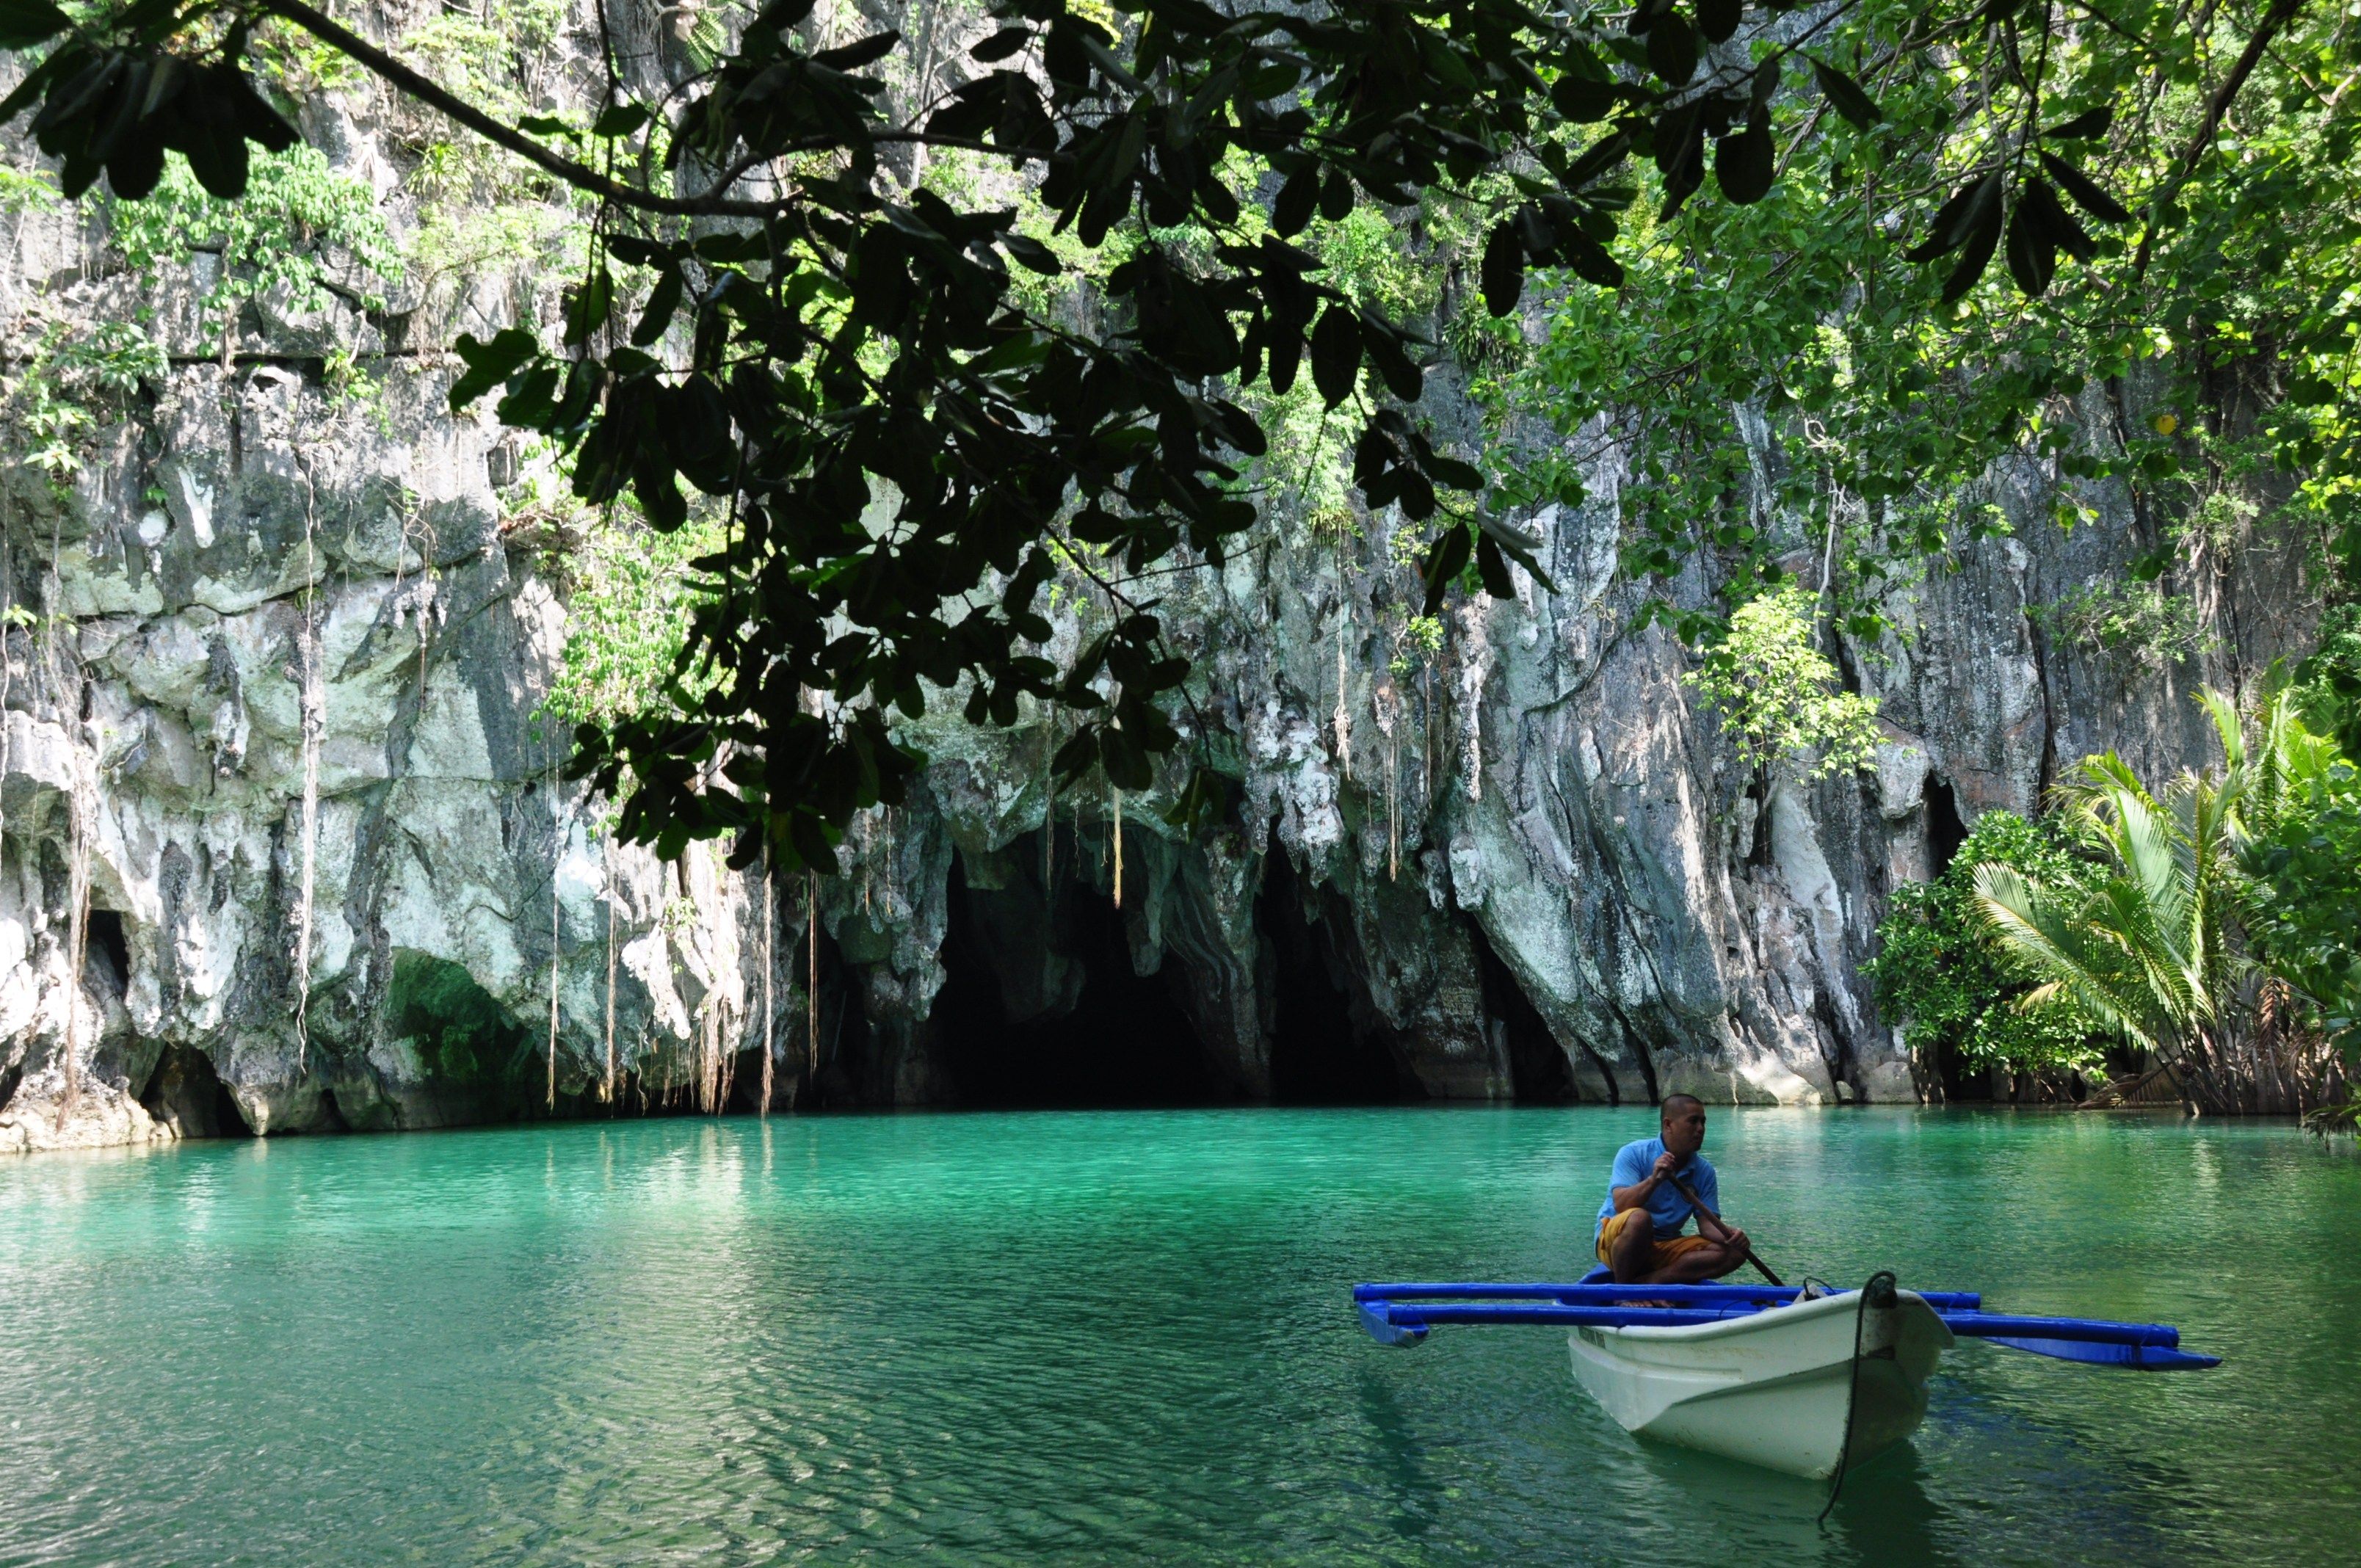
(1683,1188)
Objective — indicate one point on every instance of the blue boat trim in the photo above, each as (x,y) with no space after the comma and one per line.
(1587,1294)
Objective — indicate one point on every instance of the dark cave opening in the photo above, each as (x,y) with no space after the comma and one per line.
(1319,1053)
(187,1094)
(1539,1073)
(477,1058)
(1040,1007)
(102,939)
(1945,832)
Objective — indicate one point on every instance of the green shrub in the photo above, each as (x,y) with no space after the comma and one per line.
(1777,692)
(1945,980)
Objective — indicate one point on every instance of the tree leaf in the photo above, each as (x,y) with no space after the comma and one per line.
(2032,260)
(860,52)
(1957,218)
(1286,355)
(1744,163)
(1336,354)
(1589,261)
(1582,100)
(24,22)
(2089,123)
(663,301)
(621,120)
(1503,270)
(1672,48)
(1031,254)
(1293,210)
(1492,570)
(1717,19)
(1844,95)
(1976,254)
(2087,192)
(1444,562)
(1336,197)
(1001,45)
(2039,203)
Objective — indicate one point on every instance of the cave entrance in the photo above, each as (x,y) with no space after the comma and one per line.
(1324,1049)
(187,1095)
(1040,1007)
(474,1055)
(1945,830)
(1539,1073)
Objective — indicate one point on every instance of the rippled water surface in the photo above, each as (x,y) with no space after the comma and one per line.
(1123,1337)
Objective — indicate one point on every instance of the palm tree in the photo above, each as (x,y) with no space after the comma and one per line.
(2150,941)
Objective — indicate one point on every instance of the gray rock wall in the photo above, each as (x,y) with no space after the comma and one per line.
(267,628)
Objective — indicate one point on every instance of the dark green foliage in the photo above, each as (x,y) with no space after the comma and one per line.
(774,327)
(1945,982)
(2304,919)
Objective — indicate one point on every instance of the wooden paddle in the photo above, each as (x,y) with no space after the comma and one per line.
(1683,1188)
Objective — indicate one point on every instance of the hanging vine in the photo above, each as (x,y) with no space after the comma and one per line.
(313,710)
(770,937)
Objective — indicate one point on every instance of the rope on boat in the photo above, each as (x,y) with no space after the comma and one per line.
(1881,1286)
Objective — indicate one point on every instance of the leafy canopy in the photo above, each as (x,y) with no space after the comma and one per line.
(901,439)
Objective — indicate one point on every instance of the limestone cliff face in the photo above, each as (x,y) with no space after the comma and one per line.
(273,670)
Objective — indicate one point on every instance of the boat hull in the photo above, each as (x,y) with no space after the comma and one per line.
(1772,1389)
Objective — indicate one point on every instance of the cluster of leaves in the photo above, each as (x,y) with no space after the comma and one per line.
(1844,352)
(2307,923)
(1949,984)
(1777,695)
(300,232)
(2303,859)
(67,377)
(2140,624)
(846,364)
(627,613)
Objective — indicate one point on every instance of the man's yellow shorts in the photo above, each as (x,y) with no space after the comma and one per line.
(1660,1253)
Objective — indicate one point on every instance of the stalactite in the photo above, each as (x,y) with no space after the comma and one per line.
(1117,838)
(770,936)
(1048,802)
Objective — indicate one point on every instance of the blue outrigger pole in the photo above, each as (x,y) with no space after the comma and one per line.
(1401,1314)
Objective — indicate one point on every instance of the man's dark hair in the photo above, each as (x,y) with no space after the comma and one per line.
(1674,1102)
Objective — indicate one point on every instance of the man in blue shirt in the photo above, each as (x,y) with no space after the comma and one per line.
(1640,1225)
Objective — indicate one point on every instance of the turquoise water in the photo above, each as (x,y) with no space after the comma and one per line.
(1125,1337)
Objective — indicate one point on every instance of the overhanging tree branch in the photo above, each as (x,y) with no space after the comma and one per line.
(581,176)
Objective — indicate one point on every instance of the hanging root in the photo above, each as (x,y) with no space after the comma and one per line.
(770,934)
(314,720)
(607,1085)
(811,983)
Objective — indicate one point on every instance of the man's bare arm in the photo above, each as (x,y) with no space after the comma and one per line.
(1639,1192)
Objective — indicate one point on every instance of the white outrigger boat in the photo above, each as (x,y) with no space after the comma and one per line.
(1790,1379)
